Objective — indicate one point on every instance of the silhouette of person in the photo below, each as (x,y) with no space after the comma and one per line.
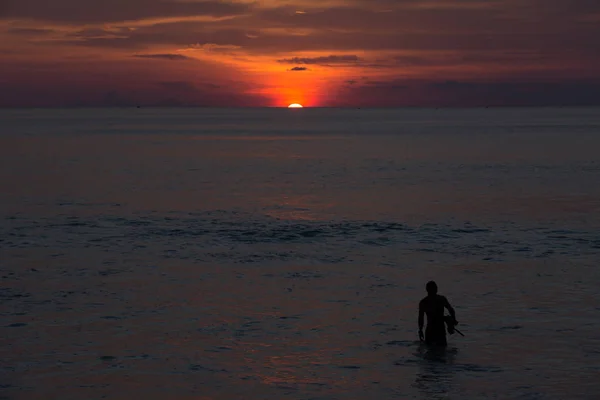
(433,305)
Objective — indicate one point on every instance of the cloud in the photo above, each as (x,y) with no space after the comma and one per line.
(100,33)
(182,35)
(489,58)
(179,86)
(328,60)
(108,83)
(361,17)
(526,93)
(95,11)
(172,57)
(405,92)
(359,26)
(29,31)
(212,47)
(402,46)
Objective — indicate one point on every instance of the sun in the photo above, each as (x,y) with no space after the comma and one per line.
(295,105)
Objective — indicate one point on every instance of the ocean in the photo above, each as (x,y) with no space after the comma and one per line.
(198,253)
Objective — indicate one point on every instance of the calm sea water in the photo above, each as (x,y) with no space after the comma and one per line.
(281,254)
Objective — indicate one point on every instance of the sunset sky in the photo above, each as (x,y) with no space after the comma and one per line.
(320,53)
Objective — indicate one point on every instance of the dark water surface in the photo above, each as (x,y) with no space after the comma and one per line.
(273,253)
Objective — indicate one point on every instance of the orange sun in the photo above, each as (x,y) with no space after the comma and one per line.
(295,105)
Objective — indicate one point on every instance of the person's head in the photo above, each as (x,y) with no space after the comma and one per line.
(431,288)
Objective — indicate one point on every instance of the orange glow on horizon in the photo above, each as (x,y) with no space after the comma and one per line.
(284,86)
(290,93)
(269,53)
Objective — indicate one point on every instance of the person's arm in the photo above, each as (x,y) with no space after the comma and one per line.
(450,309)
(421,320)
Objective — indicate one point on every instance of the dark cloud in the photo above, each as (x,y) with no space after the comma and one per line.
(528,93)
(490,51)
(29,31)
(538,6)
(551,8)
(489,58)
(181,34)
(365,17)
(443,25)
(184,86)
(96,11)
(172,57)
(97,33)
(110,84)
(328,60)
(550,45)
(398,92)
(178,85)
(459,26)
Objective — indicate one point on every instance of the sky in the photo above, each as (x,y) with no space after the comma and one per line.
(319,53)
